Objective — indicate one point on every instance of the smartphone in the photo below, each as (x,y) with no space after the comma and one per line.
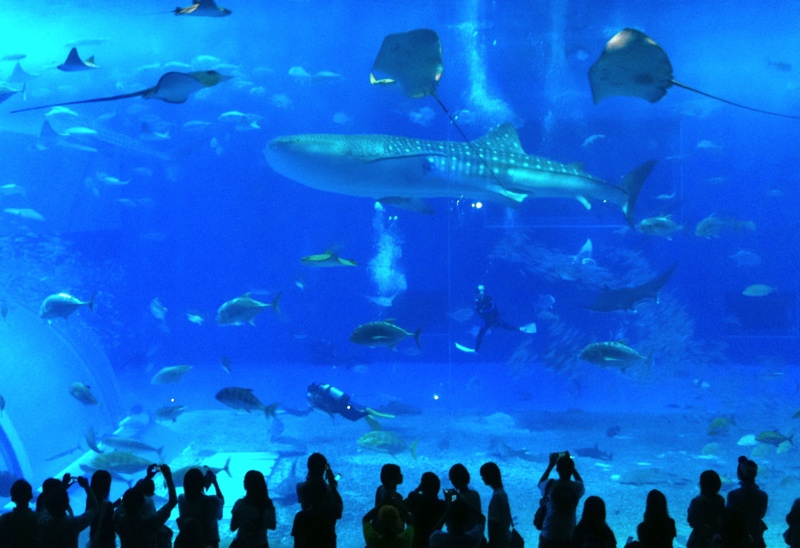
(563,454)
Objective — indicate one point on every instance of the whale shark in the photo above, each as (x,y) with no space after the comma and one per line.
(493,168)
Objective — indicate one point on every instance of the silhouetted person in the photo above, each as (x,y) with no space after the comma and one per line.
(460,478)
(319,495)
(487,310)
(253,514)
(498,516)
(389,530)
(564,495)
(18,527)
(315,525)
(657,530)
(148,488)
(191,534)
(792,535)
(207,509)
(391,477)
(319,472)
(101,531)
(59,529)
(750,500)
(426,508)
(733,531)
(457,518)
(705,511)
(49,486)
(135,523)
(592,531)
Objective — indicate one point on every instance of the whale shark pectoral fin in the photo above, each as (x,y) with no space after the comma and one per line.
(516,197)
(584,202)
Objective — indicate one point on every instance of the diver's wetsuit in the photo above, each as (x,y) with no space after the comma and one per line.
(485,308)
(333,401)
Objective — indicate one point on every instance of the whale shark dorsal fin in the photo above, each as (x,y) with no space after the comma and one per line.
(503,137)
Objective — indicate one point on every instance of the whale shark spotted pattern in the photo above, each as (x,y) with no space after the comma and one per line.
(494,167)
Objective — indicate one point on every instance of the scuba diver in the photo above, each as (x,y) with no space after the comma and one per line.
(331,400)
(486,309)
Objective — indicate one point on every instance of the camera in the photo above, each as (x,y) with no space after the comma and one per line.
(450,494)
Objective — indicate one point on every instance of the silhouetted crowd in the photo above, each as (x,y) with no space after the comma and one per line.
(422,519)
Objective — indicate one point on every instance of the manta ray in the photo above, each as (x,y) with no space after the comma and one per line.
(74,63)
(397,169)
(7,92)
(634,65)
(626,298)
(172,87)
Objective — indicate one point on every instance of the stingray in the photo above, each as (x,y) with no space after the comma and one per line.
(74,62)
(7,92)
(634,65)
(172,87)
(18,75)
(412,60)
(203,8)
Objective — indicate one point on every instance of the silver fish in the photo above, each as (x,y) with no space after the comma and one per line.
(82,393)
(243,310)
(61,305)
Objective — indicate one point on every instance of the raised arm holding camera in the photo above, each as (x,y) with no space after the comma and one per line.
(134,524)
(57,526)
(562,496)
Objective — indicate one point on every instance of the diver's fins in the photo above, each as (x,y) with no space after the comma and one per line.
(465,348)
(374,414)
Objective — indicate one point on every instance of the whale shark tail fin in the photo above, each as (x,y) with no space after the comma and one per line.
(632,184)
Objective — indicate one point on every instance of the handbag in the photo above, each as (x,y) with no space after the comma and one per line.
(541,512)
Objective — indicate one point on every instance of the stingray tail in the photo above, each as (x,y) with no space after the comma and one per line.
(514,196)
(684,86)
(98,100)
(632,184)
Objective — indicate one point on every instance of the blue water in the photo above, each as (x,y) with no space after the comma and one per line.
(204,219)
